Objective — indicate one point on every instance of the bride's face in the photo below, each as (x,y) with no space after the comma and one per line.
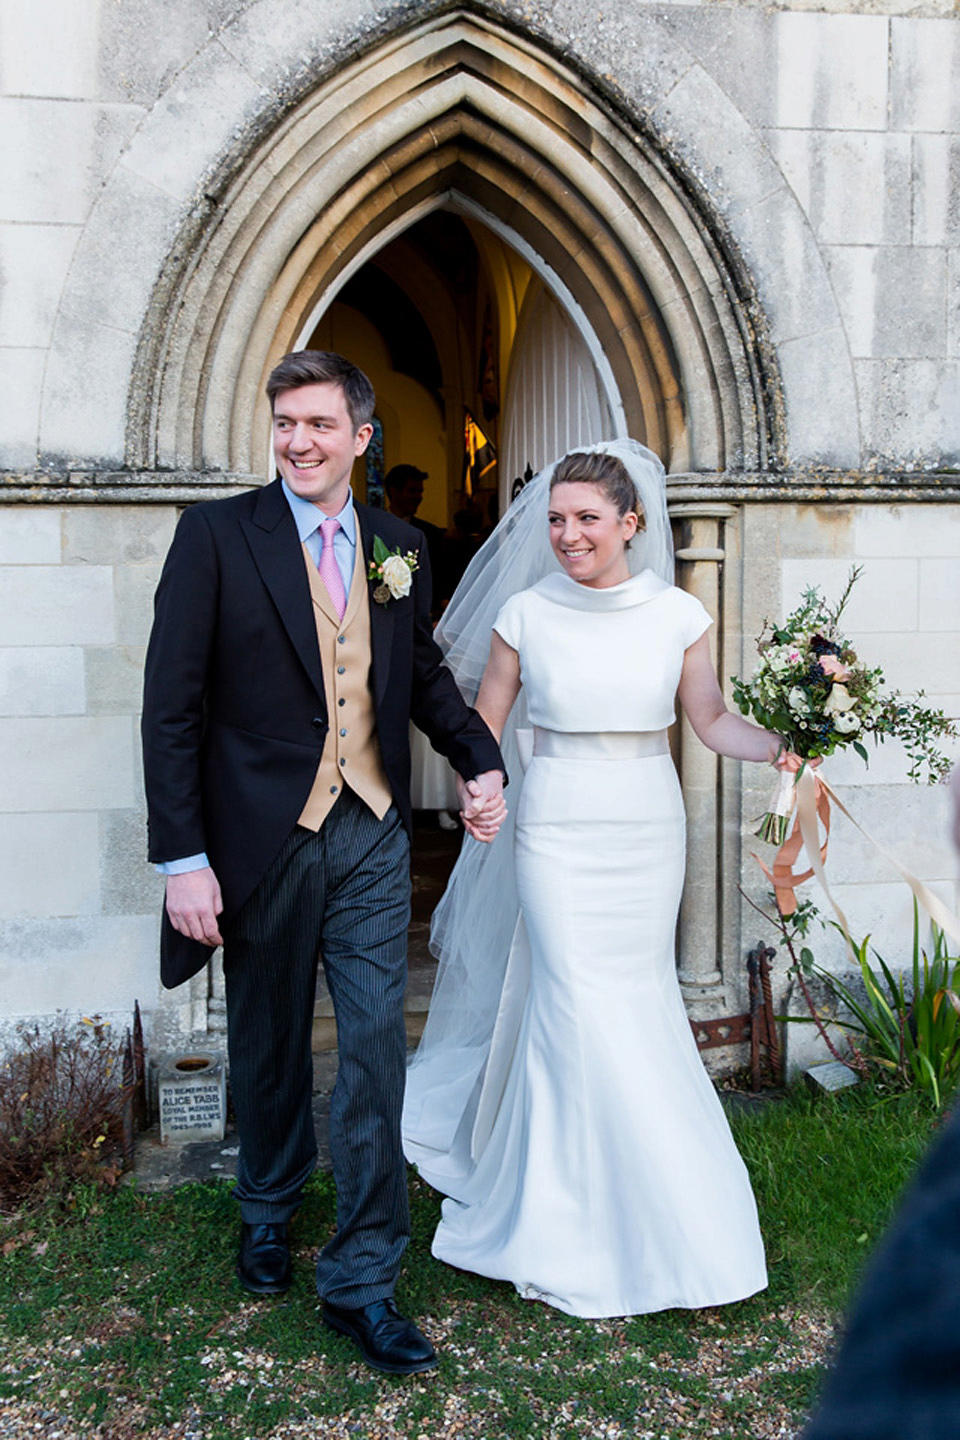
(589,538)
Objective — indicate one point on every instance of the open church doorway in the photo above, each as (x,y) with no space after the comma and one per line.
(481,375)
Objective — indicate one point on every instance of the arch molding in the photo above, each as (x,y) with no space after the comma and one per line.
(460,113)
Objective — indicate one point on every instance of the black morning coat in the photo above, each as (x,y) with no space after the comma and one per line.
(234,712)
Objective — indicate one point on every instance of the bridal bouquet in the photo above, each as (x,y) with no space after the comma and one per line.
(811,687)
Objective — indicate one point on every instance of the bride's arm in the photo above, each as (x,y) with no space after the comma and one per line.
(500,685)
(705,708)
(482,807)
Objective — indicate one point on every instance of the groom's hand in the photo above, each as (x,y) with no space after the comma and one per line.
(482,806)
(194,903)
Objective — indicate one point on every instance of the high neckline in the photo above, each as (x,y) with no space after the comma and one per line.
(564,590)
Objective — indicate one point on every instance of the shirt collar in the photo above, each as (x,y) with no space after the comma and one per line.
(308,518)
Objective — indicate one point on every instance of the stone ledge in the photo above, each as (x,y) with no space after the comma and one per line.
(120,487)
(183,487)
(860,487)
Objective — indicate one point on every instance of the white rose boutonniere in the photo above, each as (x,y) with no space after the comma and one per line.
(391,572)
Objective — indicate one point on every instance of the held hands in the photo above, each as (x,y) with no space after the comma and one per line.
(193,904)
(482,806)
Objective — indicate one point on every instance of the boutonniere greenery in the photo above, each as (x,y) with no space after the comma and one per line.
(391,572)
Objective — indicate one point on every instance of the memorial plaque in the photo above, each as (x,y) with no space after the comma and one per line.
(831,1076)
(193,1098)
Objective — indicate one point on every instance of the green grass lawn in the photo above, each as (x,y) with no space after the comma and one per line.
(123,1317)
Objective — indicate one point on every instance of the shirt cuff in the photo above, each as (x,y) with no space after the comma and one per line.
(181,867)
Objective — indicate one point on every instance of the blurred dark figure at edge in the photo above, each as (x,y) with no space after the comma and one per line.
(897,1370)
(403,487)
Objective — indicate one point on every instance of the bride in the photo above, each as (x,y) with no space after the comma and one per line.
(558,1097)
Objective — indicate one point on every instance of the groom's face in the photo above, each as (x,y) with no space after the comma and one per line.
(315,445)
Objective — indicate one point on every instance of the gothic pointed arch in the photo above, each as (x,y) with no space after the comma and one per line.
(462,114)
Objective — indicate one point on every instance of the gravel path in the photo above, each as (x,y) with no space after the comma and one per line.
(673,1398)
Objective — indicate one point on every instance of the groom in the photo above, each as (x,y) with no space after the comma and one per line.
(280,683)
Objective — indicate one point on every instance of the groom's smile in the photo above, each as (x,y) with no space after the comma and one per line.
(315,445)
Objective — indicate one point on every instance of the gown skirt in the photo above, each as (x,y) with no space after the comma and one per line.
(606,1181)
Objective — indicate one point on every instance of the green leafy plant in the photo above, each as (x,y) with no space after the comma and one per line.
(905,1028)
(911,1035)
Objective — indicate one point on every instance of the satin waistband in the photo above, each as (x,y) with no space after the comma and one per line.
(599,745)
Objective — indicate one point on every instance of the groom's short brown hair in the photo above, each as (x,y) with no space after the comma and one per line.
(325,367)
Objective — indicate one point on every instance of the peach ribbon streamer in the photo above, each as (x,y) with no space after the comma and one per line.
(781,876)
(813,804)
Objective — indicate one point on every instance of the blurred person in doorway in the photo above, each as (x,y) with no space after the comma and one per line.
(403,487)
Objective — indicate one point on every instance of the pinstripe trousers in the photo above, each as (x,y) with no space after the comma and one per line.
(344,892)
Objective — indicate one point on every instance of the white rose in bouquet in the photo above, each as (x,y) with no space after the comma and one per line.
(839,700)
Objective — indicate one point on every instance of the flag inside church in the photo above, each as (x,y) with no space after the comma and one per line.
(479,456)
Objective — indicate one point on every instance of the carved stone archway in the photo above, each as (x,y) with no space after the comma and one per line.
(457,113)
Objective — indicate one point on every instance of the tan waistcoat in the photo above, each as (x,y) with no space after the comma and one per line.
(351,753)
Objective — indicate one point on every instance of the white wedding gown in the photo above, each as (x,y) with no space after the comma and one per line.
(591,1163)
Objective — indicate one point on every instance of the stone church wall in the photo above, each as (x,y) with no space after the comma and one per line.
(825,144)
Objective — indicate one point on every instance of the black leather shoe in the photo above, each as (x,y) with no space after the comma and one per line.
(263,1264)
(385,1339)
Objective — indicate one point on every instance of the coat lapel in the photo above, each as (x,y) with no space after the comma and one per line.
(381,616)
(277,553)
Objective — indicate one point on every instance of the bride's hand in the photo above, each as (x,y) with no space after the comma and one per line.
(482,806)
(790,760)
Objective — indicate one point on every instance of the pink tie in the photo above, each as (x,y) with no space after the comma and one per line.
(329,570)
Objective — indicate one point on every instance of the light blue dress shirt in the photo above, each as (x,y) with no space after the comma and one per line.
(308,520)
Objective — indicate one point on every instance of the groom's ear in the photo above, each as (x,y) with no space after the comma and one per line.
(362,439)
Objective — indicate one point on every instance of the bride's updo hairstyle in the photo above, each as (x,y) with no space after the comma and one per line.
(607,472)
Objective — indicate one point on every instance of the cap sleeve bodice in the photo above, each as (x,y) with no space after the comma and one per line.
(607,659)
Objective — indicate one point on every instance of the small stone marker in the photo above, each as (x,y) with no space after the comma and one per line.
(832,1076)
(193,1098)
